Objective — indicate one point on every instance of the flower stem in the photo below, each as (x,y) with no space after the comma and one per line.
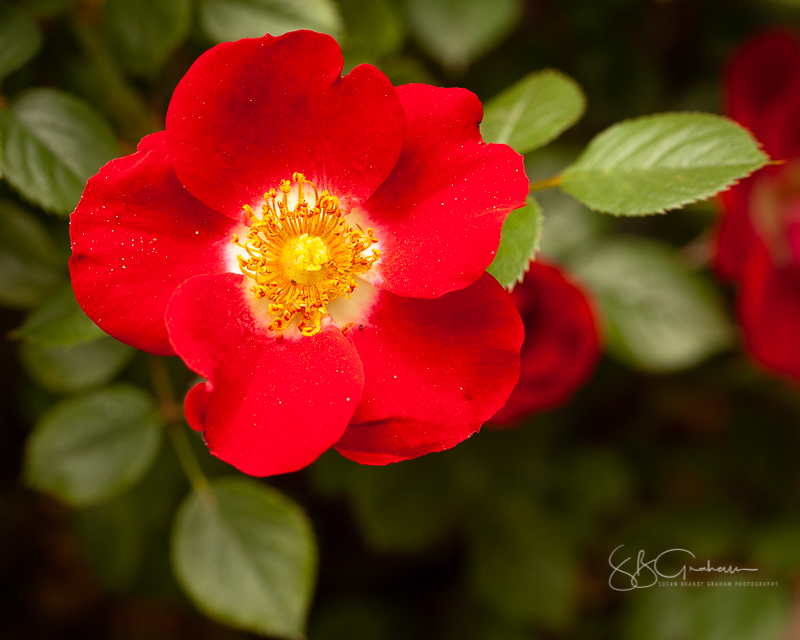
(549,183)
(173,418)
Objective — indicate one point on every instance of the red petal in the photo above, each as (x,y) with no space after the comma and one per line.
(769,312)
(735,233)
(250,113)
(760,73)
(435,371)
(270,405)
(439,214)
(560,349)
(136,235)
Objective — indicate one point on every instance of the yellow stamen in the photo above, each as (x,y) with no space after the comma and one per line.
(303,258)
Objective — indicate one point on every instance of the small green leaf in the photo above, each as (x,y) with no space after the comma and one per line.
(534,111)
(660,317)
(374,25)
(20,38)
(144,32)
(60,322)
(78,368)
(456,32)
(246,556)
(87,449)
(226,20)
(660,162)
(53,143)
(28,266)
(518,244)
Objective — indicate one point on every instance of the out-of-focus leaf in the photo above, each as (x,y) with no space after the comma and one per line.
(20,38)
(113,534)
(660,162)
(533,111)
(521,564)
(778,546)
(707,613)
(226,20)
(567,226)
(60,322)
(374,25)
(660,317)
(359,619)
(78,368)
(87,449)
(246,556)
(52,144)
(28,266)
(456,32)
(144,32)
(518,244)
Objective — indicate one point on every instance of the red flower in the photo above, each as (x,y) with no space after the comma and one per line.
(561,343)
(759,236)
(352,309)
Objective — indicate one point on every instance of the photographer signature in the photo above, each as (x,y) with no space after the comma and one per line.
(647,573)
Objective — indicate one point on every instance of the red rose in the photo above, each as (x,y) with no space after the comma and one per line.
(352,309)
(561,344)
(759,237)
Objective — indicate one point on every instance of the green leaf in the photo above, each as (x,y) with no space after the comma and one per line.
(53,143)
(226,20)
(660,317)
(85,450)
(28,266)
(456,32)
(48,8)
(60,322)
(707,613)
(534,111)
(518,244)
(20,38)
(78,368)
(660,162)
(374,25)
(246,556)
(144,32)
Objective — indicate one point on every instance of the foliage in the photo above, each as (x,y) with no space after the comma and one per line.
(676,440)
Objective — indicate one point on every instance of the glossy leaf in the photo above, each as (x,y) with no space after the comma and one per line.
(518,244)
(28,258)
(225,20)
(660,317)
(661,162)
(87,449)
(534,111)
(246,556)
(456,32)
(144,32)
(20,38)
(52,144)
(59,322)
(78,368)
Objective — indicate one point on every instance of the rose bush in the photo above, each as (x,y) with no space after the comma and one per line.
(314,246)
(758,242)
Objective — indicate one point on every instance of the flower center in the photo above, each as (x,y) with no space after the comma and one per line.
(302,258)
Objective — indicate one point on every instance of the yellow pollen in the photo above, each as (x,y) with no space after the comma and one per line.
(300,259)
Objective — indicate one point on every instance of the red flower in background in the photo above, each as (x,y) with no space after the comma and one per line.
(561,347)
(759,235)
(352,309)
